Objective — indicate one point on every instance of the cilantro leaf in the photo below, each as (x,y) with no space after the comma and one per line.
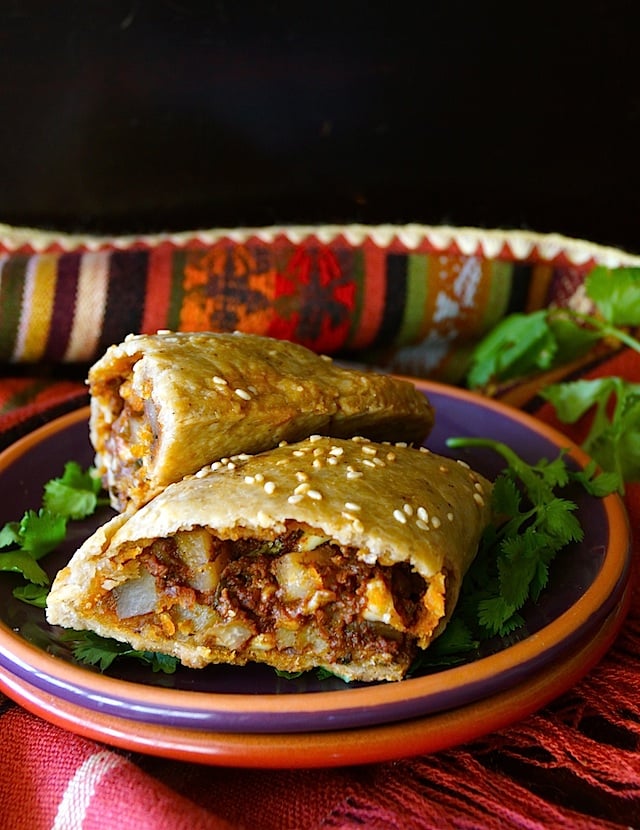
(19,561)
(613,438)
(32,594)
(532,523)
(74,494)
(94,650)
(616,293)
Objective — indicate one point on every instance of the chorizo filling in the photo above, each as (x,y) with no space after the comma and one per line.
(298,595)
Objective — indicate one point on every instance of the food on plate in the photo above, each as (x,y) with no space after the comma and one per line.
(164,405)
(346,554)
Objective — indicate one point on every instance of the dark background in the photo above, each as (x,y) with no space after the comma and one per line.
(152,115)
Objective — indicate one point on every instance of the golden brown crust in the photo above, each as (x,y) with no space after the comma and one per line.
(164,405)
(388,505)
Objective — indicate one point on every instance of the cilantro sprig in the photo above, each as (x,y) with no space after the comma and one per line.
(524,344)
(94,650)
(73,495)
(533,522)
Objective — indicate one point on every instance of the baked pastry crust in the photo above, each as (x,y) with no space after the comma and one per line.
(342,554)
(164,405)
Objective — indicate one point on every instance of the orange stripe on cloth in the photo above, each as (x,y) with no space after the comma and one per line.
(158,293)
(91,300)
(373,293)
(37,308)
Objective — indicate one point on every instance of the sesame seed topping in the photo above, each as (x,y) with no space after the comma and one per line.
(435,522)
(259,477)
(318,463)
(219,381)
(336,451)
(314,494)
(249,480)
(368,462)
(358,526)
(450,516)
(463,464)
(332,460)
(298,453)
(318,451)
(351,505)
(422,514)
(202,473)
(302,488)
(269,487)
(231,465)
(379,462)
(401,443)
(391,456)
(216,465)
(399,516)
(369,450)
(478,499)
(478,487)
(295,498)
(407,509)
(425,449)
(242,393)
(302,476)
(354,474)
(314,438)
(422,525)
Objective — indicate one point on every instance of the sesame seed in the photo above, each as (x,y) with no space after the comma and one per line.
(478,499)
(314,438)
(302,476)
(253,390)
(478,487)
(242,393)
(249,480)
(314,494)
(407,509)
(399,516)
(336,451)
(301,488)
(202,473)
(463,464)
(216,465)
(401,443)
(368,462)
(435,522)
(351,505)
(369,450)
(231,465)
(391,456)
(422,525)
(259,477)
(379,462)
(425,450)
(450,516)
(318,451)
(318,463)
(332,461)
(422,514)
(295,498)
(358,526)
(298,453)
(269,487)
(354,474)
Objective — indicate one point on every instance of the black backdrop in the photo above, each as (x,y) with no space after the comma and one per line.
(148,115)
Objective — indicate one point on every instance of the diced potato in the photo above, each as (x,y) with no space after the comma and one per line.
(379,605)
(196,548)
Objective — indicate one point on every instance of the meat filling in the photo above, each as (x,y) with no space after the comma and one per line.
(298,593)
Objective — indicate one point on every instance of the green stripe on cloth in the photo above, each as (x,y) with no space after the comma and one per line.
(415,298)
(500,291)
(12,282)
(176,295)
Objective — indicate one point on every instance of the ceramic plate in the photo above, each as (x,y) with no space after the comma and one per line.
(578,615)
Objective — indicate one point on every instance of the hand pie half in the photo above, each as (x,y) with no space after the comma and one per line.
(164,405)
(343,554)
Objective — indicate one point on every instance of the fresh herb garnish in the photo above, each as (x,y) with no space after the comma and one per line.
(533,522)
(88,647)
(72,496)
(524,344)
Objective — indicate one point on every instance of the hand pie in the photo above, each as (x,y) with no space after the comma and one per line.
(334,553)
(164,405)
